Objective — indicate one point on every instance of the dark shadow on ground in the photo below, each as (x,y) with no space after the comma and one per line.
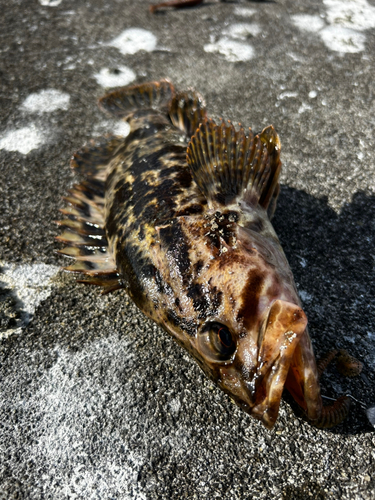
(332,257)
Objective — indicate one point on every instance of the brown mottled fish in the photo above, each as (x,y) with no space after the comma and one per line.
(178,214)
(175,4)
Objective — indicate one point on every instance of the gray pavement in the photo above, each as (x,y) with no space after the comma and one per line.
(95,401)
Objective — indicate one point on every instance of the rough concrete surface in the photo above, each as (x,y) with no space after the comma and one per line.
(95,401)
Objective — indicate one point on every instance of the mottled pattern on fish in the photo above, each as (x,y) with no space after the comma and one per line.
(177,214)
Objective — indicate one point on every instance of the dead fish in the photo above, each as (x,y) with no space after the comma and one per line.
(178,4)
(178,214)
(175,4)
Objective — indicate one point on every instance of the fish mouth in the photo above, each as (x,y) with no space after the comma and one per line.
(260,396)
(281,334)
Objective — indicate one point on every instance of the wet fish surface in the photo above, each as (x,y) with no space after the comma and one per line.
(178,214)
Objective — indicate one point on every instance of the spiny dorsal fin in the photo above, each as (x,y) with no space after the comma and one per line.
(187,110)
(123,102)
(93,158)
(228,166)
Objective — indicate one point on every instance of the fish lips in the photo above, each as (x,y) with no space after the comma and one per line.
(279,337)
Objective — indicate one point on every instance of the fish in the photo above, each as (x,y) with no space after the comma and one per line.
(176,4)
(178,214)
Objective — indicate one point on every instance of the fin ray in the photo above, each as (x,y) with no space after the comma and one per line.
(76,239)
(110,282)
(90,268)
(82,227)
(187,110)
(77,214)
(84,253)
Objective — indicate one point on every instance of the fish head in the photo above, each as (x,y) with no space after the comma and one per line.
(248,344)
(236,311)
(252,367)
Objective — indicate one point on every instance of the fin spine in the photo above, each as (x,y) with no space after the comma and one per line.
(187,110)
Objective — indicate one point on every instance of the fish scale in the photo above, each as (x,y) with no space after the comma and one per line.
(178,214)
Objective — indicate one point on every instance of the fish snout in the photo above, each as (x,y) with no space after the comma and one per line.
(282,332)
(258,389)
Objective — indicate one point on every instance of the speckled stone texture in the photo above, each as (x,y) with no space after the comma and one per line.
(95,401)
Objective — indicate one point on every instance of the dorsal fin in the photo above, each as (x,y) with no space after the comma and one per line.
(123,102)
(228,166)
(187,110)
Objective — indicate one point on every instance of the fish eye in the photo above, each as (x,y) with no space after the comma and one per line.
(222,338)
(216,342)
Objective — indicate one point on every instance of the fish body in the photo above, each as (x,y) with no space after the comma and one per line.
(181,209)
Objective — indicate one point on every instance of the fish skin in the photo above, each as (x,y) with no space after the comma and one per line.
(201,265)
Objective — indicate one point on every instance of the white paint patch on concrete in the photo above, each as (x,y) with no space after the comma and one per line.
(69,410)
(242,31)
(343,40)
(244,12)
(303,262)
(23,140)
(50,3)
(115,77)
(296,57)
(133,40)
(346,22)
(46,101)
(232,50)
(287,94)
(175,406)
(353,14)
(304,107)
(30,284)
(305,296)
(306,22)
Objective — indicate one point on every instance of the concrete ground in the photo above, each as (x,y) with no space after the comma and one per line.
(96,402)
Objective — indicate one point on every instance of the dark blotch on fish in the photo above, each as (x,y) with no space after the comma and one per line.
(174,240)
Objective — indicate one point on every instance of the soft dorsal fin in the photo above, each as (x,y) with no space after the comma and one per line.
(152,95)
(227,165)
(187,110)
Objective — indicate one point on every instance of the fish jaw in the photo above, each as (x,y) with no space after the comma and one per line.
(303,379)
(260,393)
